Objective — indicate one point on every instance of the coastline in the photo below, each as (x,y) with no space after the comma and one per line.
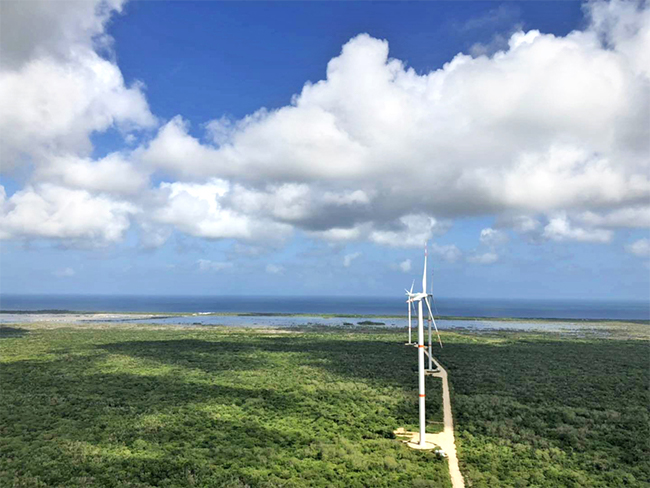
(605,329)
(327,307)
(137,315)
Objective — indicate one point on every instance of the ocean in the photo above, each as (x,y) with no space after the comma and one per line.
(381,306)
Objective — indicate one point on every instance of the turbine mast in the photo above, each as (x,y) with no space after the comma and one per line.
(422,394)
(421,373)
(422,309)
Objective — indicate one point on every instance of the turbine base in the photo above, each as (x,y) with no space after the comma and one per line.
(428,446)
(413,440)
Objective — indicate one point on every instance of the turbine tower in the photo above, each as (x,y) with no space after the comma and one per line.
(419,298)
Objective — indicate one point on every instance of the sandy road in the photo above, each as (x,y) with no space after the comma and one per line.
(445,439)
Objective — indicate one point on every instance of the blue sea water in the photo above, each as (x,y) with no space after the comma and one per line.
(462,307)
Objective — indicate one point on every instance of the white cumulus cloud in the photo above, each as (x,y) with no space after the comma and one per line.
(207,265)
(409,231)
(492,237)
(274,269)
(198,210)
(448,252)
(489,257)
(630,217)
(348,258)
(111,174)
(540,128)
(560,229)
(639,248)
(405,265)
(54,212)
(55,89)
(540,142)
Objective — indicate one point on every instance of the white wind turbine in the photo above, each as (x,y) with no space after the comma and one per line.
(419,298)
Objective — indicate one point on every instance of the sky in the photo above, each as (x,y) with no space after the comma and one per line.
(313,148)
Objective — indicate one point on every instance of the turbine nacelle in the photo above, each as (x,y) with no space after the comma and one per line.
(423,296)
(416,297)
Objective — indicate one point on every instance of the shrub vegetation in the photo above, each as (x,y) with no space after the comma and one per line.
(539,411)
(132,406)
(197,407)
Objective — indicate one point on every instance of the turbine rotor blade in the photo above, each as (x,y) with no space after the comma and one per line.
(434,322)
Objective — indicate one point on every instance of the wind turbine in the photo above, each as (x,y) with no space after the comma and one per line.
(419,298)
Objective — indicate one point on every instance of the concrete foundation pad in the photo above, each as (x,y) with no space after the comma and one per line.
(416,445)
(414,440)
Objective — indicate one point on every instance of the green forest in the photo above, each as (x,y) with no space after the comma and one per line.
(137,406)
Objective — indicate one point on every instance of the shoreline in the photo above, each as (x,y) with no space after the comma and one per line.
(112,315)
(577,329)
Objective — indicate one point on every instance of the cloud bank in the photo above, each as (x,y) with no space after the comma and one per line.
(550,135)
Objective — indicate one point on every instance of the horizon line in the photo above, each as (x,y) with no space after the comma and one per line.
(351,296)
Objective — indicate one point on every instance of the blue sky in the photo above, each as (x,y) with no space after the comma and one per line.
(312,148)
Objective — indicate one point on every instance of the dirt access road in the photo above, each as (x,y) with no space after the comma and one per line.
(444,439)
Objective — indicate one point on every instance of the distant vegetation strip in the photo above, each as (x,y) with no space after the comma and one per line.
(160,315)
